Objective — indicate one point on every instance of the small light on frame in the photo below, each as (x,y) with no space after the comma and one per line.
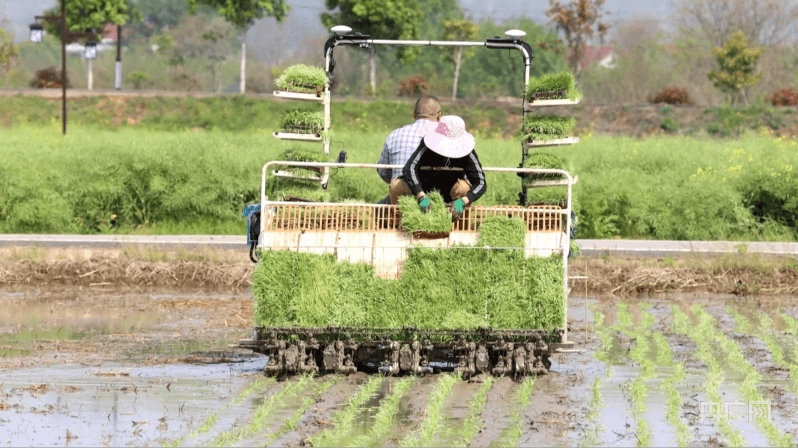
(90,50)
(515,34)
(36,32)
(341,29)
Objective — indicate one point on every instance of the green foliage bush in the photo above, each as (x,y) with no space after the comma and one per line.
(439,288)
(133,180)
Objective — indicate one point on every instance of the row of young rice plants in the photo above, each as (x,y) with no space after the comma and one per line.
(673,400)
(263,414)
(432,414)
(343,420)
(208,423)
(511,436)
(603,353)
(641,354)
(765,332)
(473,423)
(708,334)
(383,420)
(292,421)
(701,334)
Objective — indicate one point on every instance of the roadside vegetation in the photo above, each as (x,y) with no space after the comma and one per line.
(137,181)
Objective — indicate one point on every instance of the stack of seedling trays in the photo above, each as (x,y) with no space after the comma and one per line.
(304,83)
(558,89)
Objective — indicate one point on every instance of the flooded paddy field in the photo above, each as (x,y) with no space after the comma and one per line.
(87,366)
(100,361)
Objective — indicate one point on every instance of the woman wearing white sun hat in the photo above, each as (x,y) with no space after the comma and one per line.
(445,145)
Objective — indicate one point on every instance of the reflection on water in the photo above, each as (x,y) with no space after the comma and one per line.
(113,405)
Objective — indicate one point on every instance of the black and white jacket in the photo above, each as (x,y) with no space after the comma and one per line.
(442,180)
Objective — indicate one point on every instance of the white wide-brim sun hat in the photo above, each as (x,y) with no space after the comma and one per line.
(449,138)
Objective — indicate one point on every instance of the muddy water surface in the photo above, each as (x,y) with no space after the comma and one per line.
(89,366)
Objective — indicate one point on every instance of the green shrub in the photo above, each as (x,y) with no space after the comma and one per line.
(438,219)
(669,124)
(302,78)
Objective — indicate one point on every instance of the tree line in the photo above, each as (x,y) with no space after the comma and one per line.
(732,51)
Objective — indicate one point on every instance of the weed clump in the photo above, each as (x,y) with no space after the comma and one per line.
(302,78)
(462,287)
(438,219)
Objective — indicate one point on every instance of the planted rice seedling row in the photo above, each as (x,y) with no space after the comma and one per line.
(701,335)
(749,386)
(263,413)
(474,423)
(640,353)
(511,435)
(764,331)
(384,417)
(211,420)
(431,423)
(673,400)
(343,421)
(293,420)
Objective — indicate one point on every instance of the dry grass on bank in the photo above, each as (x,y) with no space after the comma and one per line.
(231,271)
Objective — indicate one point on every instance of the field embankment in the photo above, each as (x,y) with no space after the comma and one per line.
(180,111)
(226,271)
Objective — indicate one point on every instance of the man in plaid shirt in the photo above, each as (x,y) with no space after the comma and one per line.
(401,143)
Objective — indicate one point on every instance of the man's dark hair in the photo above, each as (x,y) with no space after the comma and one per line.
(427,106)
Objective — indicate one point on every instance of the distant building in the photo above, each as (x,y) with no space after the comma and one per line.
(603,56)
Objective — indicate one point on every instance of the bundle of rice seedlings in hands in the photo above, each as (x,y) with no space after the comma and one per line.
(553,86)
(544,160)
(437,220)
(548,127)
(302,78)
(302,122)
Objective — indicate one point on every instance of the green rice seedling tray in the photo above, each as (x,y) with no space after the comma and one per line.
(302,78)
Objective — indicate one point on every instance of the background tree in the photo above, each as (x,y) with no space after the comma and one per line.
(737,64)
(579,22)
(459,30)
(381,19)
(82,15)
(764,22)
(242,14)
(158,16)
(7,50)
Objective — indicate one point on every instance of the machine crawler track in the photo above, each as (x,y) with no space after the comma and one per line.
(395,351)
